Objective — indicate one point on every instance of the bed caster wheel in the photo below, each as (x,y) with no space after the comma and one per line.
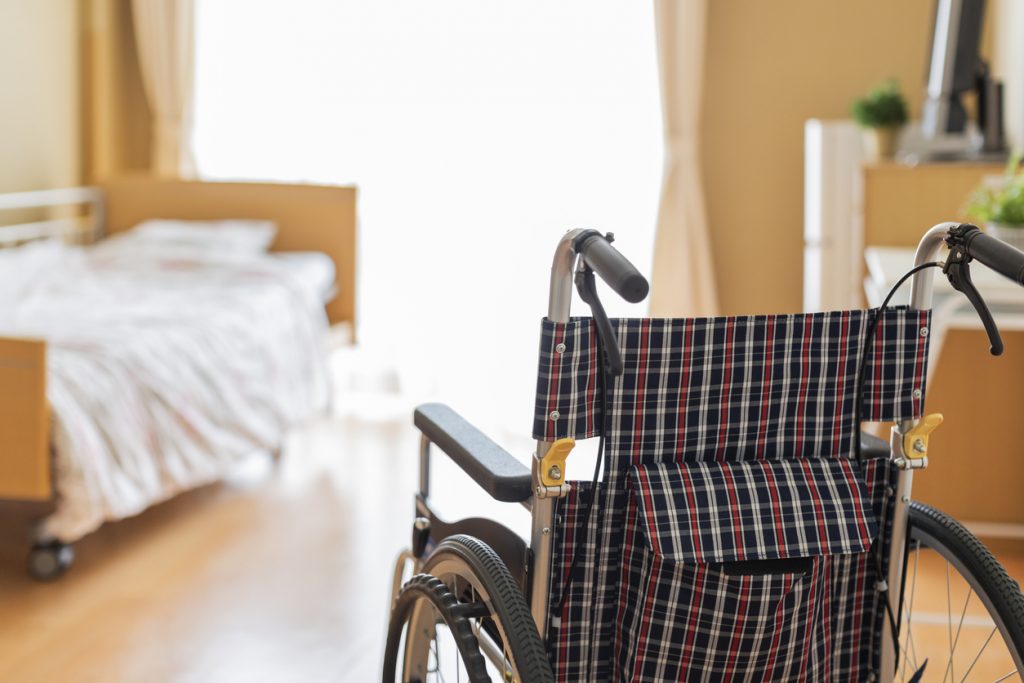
(48,561)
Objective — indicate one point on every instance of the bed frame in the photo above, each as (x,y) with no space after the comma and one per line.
(308,217)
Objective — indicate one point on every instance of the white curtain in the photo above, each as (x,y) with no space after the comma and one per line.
(165,38)
(683,281)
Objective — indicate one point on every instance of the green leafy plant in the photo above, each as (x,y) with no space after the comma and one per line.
(883,107)
(1004,203)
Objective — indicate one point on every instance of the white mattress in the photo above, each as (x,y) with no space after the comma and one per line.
(315,271)
(164,365)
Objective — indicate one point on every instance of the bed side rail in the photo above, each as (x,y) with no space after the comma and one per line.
(24,421)
(62,209)
(491,466)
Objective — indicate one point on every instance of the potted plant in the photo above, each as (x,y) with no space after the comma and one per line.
(999,204)
(881,113)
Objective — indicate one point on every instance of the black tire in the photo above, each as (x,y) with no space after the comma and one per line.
(999,593)
(48,561)
(470,560)
(474,574)
(429,590)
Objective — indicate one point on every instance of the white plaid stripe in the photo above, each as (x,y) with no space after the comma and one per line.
(812,360)
(731,390)
(820,500)
(572,631)
(815,508)
(695,623)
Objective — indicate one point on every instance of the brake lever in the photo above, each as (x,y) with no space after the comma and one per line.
(958,271)
(587,287)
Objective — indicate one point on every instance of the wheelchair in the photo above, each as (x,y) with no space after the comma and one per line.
(739,525)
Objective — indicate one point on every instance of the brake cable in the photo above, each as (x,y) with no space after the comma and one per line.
(610,368)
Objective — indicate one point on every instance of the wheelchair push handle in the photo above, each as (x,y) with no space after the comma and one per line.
(597,255)
(614,268)
(1006,260)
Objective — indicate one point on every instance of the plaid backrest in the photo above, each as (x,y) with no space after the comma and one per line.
(732,388)
(706,411)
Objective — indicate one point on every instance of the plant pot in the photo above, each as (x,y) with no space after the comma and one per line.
(880,143)
(1011,234)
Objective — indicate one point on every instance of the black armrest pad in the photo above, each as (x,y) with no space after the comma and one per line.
(873,447)
(491,466)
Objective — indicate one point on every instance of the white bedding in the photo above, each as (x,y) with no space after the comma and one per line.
(164,366)
(314,270)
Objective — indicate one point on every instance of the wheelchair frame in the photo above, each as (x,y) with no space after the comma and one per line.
(506,479)
(503,476)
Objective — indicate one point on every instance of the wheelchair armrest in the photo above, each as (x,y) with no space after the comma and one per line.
(491,466)
(873,447)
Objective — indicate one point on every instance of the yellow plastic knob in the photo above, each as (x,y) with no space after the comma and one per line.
(915,441)
(552,465)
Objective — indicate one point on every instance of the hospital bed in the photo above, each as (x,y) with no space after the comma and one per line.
(58,386)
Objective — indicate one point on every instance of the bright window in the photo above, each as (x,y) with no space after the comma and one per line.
(477,131)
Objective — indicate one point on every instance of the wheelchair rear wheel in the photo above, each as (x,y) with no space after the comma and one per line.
(427,636)
(962,613)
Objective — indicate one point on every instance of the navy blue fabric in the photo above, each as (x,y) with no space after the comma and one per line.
(713,396)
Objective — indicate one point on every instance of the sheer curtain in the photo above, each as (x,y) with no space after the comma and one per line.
(684,281)
(164,36)
(477,131)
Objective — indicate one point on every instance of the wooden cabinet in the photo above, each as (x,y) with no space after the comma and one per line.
(901,201)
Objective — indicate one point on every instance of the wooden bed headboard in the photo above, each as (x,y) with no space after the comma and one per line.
(309,218)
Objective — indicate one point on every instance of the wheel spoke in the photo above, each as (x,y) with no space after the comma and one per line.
(985,594)
(911,650)
(949,616)
(959,626)
(508,660)
(978,656)
(910,612)
(437,660)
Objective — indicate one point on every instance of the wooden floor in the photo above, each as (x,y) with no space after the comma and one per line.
(280,574)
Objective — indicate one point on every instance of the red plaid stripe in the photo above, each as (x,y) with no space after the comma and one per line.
(597,633)
(695,623)
(683,618)
(726,393)
(755,371)
(757,510)
(573,629)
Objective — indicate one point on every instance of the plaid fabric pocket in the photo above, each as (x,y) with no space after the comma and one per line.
(728,567)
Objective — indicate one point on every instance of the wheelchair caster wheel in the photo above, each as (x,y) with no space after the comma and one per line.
(48,561)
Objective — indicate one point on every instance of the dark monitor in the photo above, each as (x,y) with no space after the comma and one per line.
(954,65)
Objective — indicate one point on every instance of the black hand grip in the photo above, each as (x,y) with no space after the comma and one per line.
(491,466)
(613,267)
(998,255)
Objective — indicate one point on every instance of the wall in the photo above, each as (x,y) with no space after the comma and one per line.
(1008,65)
(769,67)
(39,94)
